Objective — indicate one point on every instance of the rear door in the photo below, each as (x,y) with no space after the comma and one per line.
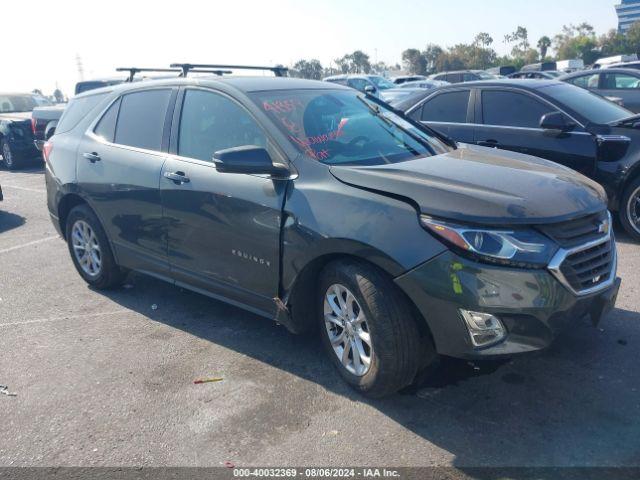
(622,85)
(510,120)
(450,112)
(224,228)
(119,165)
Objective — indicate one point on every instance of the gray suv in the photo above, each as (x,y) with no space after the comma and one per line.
(319,207)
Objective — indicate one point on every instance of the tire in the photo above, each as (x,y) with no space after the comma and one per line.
(9,158)
(630,210)
(98,268)
(394,348)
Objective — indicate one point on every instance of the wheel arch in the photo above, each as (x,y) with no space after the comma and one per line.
(66,204)
(301,301)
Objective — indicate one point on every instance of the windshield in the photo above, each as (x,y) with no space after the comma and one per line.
(592,107)
(381,82)
(342,127)
(21,103)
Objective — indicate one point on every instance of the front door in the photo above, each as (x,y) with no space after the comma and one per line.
(510,120)
(224,228)
(119,165)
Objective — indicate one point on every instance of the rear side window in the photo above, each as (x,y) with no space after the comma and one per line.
(447,107)
(210,122)
(585,81)
(620,81)
(512,109)
(76,111)
(141,119)
(106,127)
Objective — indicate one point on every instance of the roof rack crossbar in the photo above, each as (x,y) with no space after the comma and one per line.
(187,67)
(133,70)
(215,72)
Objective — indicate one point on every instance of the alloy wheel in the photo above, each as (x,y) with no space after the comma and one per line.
(7,156)
(633,210)
(86,248)
(348,331)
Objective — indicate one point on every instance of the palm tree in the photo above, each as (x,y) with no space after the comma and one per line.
(543,45)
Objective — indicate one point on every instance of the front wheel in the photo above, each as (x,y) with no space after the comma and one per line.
(368,329)
(90,249)
(630,210)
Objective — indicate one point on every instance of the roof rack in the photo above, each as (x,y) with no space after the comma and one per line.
(133,70)
(204,70)
(193,67)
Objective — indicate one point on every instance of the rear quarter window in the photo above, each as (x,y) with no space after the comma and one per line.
(77,109)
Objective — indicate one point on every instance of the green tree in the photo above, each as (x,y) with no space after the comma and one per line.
(311,69)
(543,45)
(414,62)
(577,42)
(356,62)
(432,54)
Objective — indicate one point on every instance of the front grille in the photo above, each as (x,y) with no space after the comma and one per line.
(589,268)
(577,232)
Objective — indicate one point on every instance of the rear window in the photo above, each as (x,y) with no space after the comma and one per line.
(141,119)
(77,109)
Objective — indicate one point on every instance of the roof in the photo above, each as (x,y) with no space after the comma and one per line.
(524,84)
(246,84)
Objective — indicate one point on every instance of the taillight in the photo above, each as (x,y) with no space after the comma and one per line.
(46,150)
(33,125)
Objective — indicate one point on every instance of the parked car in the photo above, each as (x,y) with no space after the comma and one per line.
(424,84)
(371,84)
(548,119)
(463,76)
(310,203)
(542,75)
(632,65)
(569,66)
(623,83)
(394,95)
(616,59)
(16,136)
(407,78)
(503,71)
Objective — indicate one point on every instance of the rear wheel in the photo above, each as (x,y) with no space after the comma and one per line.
(368,329)
(90,249)
(630,210)
(8,156)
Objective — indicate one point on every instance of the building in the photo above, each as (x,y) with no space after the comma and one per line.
(628,13)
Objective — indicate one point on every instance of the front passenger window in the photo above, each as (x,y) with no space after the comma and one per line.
(211,122)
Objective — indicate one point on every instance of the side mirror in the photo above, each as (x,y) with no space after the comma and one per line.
(556,121)
(248,159)
(370,89)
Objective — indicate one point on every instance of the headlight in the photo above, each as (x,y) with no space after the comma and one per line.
(516,247)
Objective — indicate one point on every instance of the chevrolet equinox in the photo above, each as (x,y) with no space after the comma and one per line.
(317,206)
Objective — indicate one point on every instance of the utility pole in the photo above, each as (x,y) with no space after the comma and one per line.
(80,67)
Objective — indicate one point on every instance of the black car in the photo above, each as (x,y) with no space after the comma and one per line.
(314,205)
(533,75)
(16,133)
(547,119)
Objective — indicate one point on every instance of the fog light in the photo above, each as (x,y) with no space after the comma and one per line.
(484,328)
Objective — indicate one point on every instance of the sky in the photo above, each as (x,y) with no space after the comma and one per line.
(40,50)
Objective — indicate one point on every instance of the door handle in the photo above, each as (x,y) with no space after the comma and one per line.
(93,157)
(177,177)
(489,143)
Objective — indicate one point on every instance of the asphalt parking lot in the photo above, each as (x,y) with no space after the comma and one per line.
(107,379)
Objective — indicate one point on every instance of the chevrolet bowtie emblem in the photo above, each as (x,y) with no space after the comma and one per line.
(604,227)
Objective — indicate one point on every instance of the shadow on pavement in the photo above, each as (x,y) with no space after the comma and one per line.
(9,221)
(577,403)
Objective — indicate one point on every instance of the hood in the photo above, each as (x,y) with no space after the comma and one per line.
(15,116)
(483,185)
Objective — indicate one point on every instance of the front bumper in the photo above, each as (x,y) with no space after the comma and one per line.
(533,305)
